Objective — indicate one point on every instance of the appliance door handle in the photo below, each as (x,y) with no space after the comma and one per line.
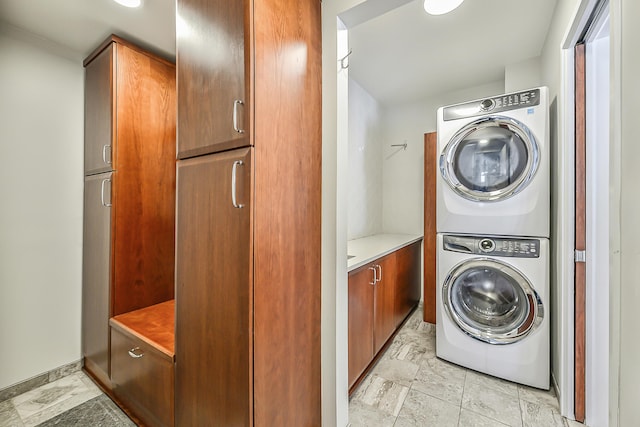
(234,172)
(104,154)
(379,269)
(236,127)
(374,275)
(105,204)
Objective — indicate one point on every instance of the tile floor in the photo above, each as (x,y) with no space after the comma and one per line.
(73,400)
(409,386)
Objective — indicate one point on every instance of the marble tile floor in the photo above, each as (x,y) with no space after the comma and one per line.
(73,400)
(410,386)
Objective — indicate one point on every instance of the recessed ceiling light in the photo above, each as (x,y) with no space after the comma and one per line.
(440,7)
(129,3)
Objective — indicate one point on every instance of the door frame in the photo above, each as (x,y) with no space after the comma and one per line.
(566,221)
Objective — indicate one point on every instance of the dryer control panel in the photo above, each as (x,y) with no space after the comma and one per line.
(496,104)
(494,246)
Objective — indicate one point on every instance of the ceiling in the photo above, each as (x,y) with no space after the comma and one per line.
(406,54)
(81,25)
(399,56)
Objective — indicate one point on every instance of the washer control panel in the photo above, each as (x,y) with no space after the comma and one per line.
(494,246)
(496,104)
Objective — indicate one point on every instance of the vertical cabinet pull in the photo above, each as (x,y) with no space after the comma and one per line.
(374,275)
(136,353)
(234,171)
(104,203)
(236,127)
(104,154)
(380,275)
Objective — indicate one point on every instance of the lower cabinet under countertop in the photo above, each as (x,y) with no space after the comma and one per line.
(382,293)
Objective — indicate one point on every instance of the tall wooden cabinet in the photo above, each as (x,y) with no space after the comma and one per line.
(129,207)
(248,213)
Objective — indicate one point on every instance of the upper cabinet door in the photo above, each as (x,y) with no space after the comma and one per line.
(98,113)
(213,71)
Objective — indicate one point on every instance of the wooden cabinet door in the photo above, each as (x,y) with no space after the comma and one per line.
(214,289)
(361,298)
(384,324)
(142,378)
(213,47)
(96,274)
(407,289)
(98,112)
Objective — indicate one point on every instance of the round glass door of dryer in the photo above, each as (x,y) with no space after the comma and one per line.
(491,301)
(490,159)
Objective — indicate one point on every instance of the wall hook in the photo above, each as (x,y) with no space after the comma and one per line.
(342,66)
(404,146)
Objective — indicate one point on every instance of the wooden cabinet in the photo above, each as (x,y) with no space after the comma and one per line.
(384,307)
(142,359)
(128,255)
(361,320)
(214,64)
(248,277)
(381,296)
(214,290)
(407,290)
(96,273)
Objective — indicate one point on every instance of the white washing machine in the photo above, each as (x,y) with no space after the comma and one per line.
(492,312)
(494,166)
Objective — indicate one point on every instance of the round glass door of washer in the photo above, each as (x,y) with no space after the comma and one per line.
(491,301)
(490,159)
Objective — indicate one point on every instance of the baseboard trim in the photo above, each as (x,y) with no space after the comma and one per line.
(39,380)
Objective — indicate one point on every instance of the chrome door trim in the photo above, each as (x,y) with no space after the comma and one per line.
(536,308)
(517,127)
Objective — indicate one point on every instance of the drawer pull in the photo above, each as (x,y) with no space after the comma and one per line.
(136,353)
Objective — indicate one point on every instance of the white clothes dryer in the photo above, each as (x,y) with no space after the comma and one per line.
(492,308)
(494,166)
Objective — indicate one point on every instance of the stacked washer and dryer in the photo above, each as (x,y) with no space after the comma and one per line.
(493,192)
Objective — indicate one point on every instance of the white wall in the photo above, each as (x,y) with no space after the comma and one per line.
(365,163)
(403,170)
(624,18)
(523,75)
(41,184)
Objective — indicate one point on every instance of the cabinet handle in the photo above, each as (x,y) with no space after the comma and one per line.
(233,184)
(136,353)
(380,269)
(105,204)
(374,275)
(235,115)
(104,154)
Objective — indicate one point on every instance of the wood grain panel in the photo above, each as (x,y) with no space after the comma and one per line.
(361,320)
(580,231)
(288,141)
(429,248)
(407,289)
(214,70)
(99,111)
(155,325)
(214,278)
(144,197)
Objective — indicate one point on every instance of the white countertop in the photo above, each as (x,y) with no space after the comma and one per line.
(366,249)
